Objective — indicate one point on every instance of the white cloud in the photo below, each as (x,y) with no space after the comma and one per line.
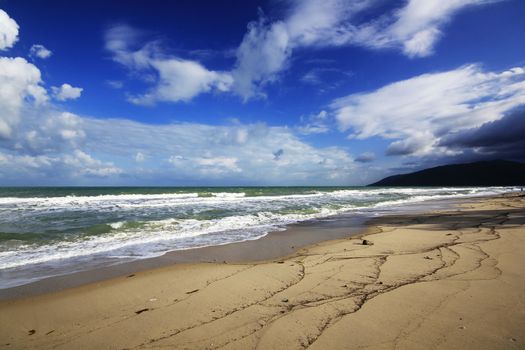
(175,80)
(210,166)
(140,157)
(123,42)
(19,80)
(267,47)
(263,53)
(84,164)
(232,154)
(74,165)
(66,92)
(39,51)
(325,79)
(8,31)
(50,146)
(181,80)
(312,77)
(315,76)
(416,27)
(50,132)
(115,84)
(421,109)
(24,164)
(315,124)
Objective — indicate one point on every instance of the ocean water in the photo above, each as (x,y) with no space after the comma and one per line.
(50,231)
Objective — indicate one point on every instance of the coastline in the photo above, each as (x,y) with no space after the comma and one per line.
(451,278)
(274,245)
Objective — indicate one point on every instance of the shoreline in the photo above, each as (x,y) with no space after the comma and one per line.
(444,279)
(274,245)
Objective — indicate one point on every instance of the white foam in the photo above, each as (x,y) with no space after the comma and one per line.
(117,225)
(251,218)
(228,194)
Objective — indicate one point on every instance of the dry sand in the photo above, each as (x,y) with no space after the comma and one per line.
(447,280)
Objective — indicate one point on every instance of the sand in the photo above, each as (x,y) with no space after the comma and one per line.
(446,280)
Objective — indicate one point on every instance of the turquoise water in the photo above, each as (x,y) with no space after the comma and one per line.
(45,230)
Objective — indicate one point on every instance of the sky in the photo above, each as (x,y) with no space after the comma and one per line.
(256,93)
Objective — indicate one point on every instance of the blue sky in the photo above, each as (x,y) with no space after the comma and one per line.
(274,92)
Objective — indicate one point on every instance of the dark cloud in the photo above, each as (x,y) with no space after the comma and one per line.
(508,130)
(499,139)
(366,157)
(404,147)
(503,138)
(277,155)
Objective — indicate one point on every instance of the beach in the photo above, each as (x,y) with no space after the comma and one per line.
(446,279)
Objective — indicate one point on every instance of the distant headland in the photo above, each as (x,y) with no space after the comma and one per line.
(483,173)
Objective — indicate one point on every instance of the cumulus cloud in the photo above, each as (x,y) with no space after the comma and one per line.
(229,154)
(125,43)
(419,111)
(8,31)
(266,49)
(24,165)
(20,81)
(175,79)
(181,80)
(42,143)
(46,131)
(66,92)
(39,167)
(262,54)
(84,164)
(39,51)
(50,145)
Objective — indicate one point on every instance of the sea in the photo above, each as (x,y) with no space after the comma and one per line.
(49,231)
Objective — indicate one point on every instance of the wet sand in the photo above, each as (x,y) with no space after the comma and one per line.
(274,245)
(450,279)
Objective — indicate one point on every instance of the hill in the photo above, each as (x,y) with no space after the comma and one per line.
(484,173)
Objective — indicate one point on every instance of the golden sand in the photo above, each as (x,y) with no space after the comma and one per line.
(444,280)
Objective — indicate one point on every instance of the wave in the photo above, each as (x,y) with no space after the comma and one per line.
(147,239)
(71,233)
(134,200)
(134,238)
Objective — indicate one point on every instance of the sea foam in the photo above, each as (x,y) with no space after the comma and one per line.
(56,232)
